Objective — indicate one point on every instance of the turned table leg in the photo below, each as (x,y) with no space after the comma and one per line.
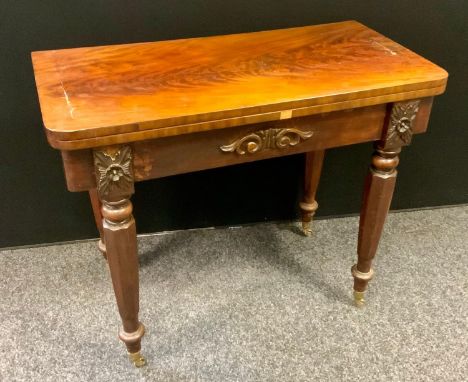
(378,191)
(313,169)
(96,204)
(115,186)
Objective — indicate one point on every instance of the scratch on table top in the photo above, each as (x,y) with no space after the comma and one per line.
(392,52)
(71,108)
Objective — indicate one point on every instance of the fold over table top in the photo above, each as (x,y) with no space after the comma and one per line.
(113,94)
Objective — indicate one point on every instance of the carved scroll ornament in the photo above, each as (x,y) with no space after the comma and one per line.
(114,174)
(401,122)
(267,139)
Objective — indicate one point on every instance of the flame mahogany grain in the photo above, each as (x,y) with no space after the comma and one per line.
(101,94)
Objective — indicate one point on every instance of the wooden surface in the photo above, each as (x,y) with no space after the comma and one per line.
(379,186)
(192,152)
(308,206)
(114,179)
(378,192)
(115,94)
(98,218)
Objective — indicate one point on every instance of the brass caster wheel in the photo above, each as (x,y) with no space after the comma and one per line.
(359,299)
(137,359)
(307,228)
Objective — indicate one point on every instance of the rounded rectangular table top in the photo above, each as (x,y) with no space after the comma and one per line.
(153,89)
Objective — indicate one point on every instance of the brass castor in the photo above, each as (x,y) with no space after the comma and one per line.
(308,212)
(359,299)
(137,359)
(360,278)
(307,228)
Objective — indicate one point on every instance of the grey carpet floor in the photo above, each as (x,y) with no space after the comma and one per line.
(257,303)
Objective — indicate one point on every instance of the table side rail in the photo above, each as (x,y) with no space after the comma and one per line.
(173,155)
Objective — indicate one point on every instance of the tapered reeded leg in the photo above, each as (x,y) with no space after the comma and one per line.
(378,191)
(313,169)
(115,185)
(96,204)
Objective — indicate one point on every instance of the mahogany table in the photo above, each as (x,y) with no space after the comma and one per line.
(126,113)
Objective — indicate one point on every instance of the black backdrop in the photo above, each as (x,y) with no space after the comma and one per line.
(35,206)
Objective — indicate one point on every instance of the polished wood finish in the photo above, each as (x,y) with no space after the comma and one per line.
(97,205)
(378,188)
(313,170)
(127,113)
(114,178)
(157,158)
(378,191)
(101,93)
(230,122)
(192,152)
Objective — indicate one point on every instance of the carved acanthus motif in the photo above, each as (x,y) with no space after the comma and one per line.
(267,139)
(114,174)
(401,122)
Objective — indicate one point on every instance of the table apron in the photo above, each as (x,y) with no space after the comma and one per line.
(173,155)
